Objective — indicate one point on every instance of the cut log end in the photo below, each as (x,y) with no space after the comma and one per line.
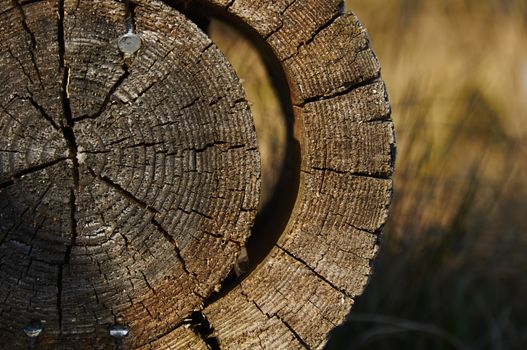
(130,176)
(125,170)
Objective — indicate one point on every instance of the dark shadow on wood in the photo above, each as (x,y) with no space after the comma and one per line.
(272,219)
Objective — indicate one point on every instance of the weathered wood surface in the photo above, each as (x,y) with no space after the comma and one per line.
(129,183)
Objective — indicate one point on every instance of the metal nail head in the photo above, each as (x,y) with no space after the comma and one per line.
(33,329)
(119,331)
(129,43)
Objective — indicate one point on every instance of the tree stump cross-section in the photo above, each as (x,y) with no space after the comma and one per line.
(129,180)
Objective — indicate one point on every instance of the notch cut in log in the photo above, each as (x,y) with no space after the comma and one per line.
(129,182)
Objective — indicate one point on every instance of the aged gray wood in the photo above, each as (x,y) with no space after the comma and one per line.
(129,183)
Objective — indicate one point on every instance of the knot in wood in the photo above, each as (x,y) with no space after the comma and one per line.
(128,185)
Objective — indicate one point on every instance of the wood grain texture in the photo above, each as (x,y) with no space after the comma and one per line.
(180,338)
(342,120)
(143,175)
(129,183)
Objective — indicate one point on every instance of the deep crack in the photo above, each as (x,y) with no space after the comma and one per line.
(171,239)
(73,227)
(31,38)
(20,174)
(201,326)
(128,195)
(67,124)
(149,209)
(108,98)
(60,34)
(42,111)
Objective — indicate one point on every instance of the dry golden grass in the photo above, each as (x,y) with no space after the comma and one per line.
(456,73)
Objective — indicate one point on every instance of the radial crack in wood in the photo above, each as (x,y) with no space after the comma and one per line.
(129,183)
(131,180)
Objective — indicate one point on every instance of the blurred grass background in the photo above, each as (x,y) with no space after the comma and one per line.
(452,271)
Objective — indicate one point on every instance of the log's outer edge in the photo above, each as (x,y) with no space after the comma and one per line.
(347,140)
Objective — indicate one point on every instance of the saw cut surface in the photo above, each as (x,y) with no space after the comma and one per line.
(128,182)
